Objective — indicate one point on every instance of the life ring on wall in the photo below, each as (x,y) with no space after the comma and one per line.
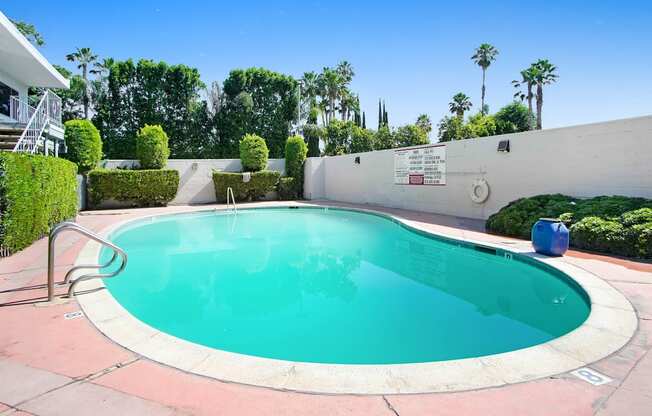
(479,191)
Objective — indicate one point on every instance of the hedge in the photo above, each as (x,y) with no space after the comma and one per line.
(84,144)
(152,147)
(259,184)
(137,188)
(253,153)
(36,192)
(288,188)
(609,224)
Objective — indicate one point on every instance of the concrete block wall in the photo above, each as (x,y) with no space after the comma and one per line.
(610,158)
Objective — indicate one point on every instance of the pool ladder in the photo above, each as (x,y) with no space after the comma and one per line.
(71,226)
(231,198)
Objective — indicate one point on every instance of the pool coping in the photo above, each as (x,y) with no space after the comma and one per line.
(610,325)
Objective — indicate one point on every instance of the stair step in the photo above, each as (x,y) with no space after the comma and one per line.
(11,132)
(9,138)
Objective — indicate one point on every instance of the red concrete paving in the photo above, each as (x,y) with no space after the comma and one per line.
(108,379)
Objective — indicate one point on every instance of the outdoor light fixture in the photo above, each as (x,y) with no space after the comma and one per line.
(503,146)
(357,160)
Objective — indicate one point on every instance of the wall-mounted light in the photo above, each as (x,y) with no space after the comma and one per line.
(503,146)
(357,160)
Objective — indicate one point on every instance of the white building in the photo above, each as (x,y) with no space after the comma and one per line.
(27,124)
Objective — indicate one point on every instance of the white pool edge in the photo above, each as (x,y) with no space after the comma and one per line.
(610,325)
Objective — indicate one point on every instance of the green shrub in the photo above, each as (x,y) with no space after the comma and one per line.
(152,147)
(84,144)
(36,192)
(253,153)
(518,217)
(138,188)
(638,216)
(259,184)
(610,224)
(598,234)
(288,188)
(296,150)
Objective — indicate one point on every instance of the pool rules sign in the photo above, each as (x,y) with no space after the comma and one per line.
(424,165)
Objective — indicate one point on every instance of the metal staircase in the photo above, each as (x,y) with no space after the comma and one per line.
(35,129)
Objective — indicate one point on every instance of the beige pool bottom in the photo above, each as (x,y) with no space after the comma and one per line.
(610,325)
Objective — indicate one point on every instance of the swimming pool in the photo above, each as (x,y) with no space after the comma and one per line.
(336,286)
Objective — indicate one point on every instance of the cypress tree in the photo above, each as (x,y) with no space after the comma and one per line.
(380,115)
(364,121)
(385,122)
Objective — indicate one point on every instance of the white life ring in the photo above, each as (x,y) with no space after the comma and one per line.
(479,191)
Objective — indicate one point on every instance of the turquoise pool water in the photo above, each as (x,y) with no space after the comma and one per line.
(336,286)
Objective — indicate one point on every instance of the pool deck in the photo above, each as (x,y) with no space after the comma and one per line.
(50,365)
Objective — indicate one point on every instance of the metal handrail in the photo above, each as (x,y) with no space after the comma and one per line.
(229,192)
(48,111)
(117,251)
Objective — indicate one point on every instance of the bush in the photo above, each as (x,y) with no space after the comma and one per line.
(610,224)
(152,147)
(138,188)
(288,188)
(296,150)
(598,234)
(259,184)
(518,217)
(84,144)
(36,192)
(253,153)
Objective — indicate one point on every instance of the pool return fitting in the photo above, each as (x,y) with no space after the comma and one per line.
(65,226)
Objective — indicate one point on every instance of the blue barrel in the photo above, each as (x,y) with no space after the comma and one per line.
(550,237)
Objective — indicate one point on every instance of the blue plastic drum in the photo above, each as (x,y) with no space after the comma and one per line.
(550,237)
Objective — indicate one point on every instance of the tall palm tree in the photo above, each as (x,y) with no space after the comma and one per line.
(484,55)
(545,75)
(528,77)
(309,88)
(460,104)
(345,70)
(84,57)
(330,85)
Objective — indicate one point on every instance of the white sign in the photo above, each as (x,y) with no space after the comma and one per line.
(424,165)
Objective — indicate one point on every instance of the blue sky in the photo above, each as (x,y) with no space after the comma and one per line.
(415,55)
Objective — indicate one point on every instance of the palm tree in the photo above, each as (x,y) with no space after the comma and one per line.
(330,86)
(309,88)
(84,57)
(460,104)
(484,55)
(528,77)
(345,70)
(102,68)
(544,75)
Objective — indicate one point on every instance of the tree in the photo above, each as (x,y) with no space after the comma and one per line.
(481,125)
(544,75)
(513,118)
(384,139)
(452,128)
(102,68)
(410,135)
(380,115)
(72,98)
(155,93)
(29,31)
(364,120)
(484,55)
(330,87)
(274,99)
(214,98)
(84,57)
(528,79)
(460,104)
(309,87)
(424,123)
(385,118)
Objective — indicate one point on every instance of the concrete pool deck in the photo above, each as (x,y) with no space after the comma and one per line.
(53,365)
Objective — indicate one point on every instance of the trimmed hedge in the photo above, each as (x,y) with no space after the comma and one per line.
(36,192)
(288,189)
(253,153)
(259,184)
(296,150)
(84,144)
(152,147)
(609,224)
(138,188)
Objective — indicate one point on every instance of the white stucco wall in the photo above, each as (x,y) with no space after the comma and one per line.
(195,176)
(611,158)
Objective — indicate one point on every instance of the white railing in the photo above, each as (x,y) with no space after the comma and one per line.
(48,111)
(20,110)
